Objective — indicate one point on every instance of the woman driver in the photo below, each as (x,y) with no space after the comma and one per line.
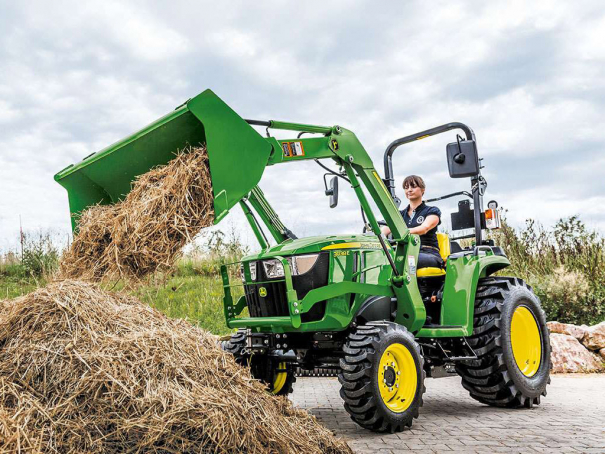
(422,220)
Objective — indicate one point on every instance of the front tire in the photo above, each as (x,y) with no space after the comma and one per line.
(277,376)
(511,341)
(382,377)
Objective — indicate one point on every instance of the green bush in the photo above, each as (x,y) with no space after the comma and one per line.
(11,266)
(40,255)
(564,265)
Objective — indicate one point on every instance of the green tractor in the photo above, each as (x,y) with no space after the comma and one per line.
(354,304)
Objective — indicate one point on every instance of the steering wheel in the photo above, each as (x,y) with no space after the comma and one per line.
(389,237)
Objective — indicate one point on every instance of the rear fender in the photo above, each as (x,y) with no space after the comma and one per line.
(461,280)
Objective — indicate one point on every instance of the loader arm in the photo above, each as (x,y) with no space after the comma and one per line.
(343,147)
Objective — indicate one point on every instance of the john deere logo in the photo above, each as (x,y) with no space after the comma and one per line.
(262,291)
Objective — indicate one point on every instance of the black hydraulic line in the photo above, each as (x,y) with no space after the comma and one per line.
(463,237)
(466,193)
(258,123)
(386,252)
(327,169)
(365,221)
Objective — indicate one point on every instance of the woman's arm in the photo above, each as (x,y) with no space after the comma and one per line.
(429,223)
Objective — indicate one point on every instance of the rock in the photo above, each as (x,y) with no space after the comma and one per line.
(569,355)
(602,353)
(566,328)
(595,337)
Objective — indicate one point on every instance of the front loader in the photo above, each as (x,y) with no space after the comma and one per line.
(355,304)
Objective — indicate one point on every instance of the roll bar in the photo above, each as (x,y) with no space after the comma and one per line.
(389,180)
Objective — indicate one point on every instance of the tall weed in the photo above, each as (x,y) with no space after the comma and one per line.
(565,265)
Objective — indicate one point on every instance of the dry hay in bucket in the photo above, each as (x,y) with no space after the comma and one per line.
(144,233)
(85,370)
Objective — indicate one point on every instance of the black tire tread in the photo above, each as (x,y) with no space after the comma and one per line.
(486,378)
(237,347)
(356,377)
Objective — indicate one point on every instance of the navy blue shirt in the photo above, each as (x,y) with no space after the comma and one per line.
(418,217)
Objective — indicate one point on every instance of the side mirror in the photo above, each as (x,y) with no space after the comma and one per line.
(462,158)
(333,192)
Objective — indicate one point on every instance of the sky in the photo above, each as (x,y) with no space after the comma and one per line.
(528,77)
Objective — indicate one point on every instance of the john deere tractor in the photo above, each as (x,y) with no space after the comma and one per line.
(356,304)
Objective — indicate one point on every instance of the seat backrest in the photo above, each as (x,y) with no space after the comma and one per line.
(444,245)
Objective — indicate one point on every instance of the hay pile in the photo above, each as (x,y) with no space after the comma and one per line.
(84,370)
(144,233)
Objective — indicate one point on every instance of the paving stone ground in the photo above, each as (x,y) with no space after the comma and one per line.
(570,419)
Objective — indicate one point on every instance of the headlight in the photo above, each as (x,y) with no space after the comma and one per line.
(299,264)
(273,268)
(252,268)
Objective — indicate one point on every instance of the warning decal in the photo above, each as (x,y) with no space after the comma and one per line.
(412,264)
(292,149)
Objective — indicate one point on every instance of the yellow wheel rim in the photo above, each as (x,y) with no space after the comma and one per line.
(397,378)
(526,341)
(280,379)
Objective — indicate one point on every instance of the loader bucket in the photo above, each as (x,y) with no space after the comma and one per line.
(237,156)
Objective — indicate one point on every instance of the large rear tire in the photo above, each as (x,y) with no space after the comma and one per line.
(278,376)
(511,341)
(382,377)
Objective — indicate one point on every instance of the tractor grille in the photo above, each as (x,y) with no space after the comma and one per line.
(275,303)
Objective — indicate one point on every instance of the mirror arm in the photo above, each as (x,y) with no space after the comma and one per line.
(326,184)
(453,194)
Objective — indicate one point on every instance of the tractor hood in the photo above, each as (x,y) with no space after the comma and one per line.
(316,244)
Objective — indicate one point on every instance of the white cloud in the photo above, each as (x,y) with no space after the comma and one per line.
(7,112)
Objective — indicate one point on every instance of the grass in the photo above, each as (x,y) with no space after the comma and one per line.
(13,286)
(192,296)
(14,279)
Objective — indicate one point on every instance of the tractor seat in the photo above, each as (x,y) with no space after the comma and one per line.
(444,250)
